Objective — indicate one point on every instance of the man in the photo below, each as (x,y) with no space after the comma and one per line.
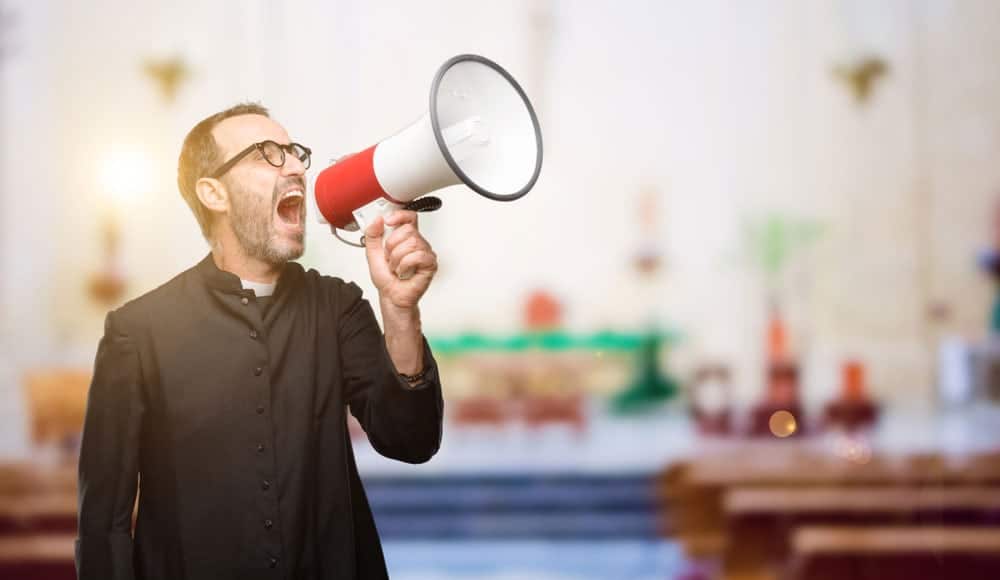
(224,390)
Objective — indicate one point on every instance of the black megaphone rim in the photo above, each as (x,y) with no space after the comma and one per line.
(436,127)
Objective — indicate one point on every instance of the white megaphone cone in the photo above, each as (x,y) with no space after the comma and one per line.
(480,130)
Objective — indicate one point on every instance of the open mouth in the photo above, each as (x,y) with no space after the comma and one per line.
(290,208)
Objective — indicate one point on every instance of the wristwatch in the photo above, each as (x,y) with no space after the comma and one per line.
(414,380)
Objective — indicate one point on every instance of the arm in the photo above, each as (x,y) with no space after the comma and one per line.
(109,455)
(402,270)
(403,422)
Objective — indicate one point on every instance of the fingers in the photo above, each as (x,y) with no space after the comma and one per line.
(401,217)
(405,251)
(399,235)
(404,248)
(374,232)
(419,261)
(373,247)
(411,245)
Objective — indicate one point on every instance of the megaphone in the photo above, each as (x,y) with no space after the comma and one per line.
(480,130)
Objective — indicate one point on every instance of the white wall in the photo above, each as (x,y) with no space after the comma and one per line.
(728,108)
(28,202)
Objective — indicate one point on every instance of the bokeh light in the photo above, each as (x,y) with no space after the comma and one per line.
(126,174)
(782,424)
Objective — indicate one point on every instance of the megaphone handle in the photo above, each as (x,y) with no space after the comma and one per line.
(366,214)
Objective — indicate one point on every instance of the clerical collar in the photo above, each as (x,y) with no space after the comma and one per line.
(228,282)
(260,289)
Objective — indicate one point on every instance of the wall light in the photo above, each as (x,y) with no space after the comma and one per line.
(126,174)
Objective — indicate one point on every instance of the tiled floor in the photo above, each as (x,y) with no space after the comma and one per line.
(532,560)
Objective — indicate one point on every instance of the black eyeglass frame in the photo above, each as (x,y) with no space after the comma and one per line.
(290,148)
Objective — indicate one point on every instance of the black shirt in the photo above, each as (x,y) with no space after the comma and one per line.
(233,419)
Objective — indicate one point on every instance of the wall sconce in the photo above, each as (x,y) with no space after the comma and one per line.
(861,75)
(124,175)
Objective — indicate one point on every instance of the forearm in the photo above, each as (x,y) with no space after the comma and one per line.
(404,339)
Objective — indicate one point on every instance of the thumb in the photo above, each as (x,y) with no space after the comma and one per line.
(374,250)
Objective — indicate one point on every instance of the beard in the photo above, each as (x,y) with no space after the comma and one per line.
(252,219)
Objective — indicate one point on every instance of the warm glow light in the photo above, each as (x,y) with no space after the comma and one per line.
(126,174)
(782,424)
(855,450)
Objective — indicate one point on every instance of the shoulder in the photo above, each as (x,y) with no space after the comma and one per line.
(135,314)
(338,288)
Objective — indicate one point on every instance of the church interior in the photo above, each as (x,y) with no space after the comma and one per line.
(744,326)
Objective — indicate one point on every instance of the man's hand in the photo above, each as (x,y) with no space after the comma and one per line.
(403,269)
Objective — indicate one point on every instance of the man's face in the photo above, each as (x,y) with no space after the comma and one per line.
(267,216)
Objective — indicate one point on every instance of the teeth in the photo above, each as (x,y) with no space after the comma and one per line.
(293,193)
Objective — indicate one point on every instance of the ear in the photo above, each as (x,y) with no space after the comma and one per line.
(212,194)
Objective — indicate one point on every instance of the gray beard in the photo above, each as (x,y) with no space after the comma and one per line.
(253,224)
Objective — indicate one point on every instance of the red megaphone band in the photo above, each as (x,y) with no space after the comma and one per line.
(346,185)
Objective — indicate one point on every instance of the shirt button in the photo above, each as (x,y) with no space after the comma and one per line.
(257,371)
(260,448)
(245,300)
(253,333)
(260,409)
(273,563)
(265,485)
(268,524)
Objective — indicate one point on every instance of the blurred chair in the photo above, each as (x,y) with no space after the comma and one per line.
(542,410)
(480,410)
(57,404)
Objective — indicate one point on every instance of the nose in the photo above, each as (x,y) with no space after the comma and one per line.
(293,166)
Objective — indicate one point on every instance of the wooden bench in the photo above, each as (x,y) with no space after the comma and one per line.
(695,491)
(38,557)
(35,513)
(24,477)
(770,500)
(895,553)
(759,521)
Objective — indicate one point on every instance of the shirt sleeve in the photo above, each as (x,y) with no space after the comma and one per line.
(109,455)
(402,422)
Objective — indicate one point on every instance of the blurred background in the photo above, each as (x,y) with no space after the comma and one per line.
(741,328)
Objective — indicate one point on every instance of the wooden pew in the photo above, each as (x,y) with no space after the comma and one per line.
(775,466)
(694,491)
(37,557)
(760,520)
(37,513)
(895,553)
(25,477)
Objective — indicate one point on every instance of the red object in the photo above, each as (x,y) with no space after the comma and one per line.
(783,384)
(853,385)
(480,410)
(542,311)
(346,185)
(546,410)
(777,338)
(853,409)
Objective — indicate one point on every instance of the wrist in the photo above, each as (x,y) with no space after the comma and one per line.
(403,337)
(399,319)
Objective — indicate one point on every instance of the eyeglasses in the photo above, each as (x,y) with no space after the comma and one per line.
(273,153)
